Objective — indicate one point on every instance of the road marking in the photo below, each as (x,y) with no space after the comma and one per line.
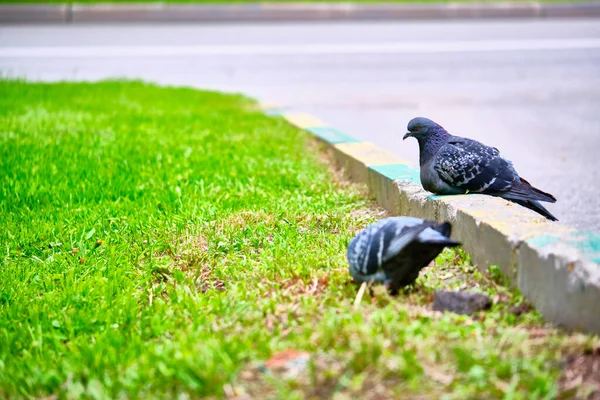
(470,46)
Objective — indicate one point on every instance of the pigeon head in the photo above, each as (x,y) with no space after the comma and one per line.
(420,127)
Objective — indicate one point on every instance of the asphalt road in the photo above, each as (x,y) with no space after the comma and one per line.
(530,88)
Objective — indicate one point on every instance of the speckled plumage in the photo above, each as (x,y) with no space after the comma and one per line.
(394,250)
(453,165)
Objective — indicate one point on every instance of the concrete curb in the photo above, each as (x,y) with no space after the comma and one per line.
(23,14)
(555,267)
(282,12)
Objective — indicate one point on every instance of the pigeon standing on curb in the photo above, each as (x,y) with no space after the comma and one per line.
(394,250)
(456,165)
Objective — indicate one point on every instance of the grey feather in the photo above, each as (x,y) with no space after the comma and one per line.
(453,165)
(393,251)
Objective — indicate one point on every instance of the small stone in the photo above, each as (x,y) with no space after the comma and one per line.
(465,303)
(521,309)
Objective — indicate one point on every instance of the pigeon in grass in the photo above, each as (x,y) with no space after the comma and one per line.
(455,165)
(394,250)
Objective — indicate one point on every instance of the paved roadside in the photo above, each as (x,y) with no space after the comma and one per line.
(538,106)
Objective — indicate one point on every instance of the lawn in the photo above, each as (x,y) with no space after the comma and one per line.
(163,242)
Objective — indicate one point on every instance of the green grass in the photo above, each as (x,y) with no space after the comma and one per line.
(159,242)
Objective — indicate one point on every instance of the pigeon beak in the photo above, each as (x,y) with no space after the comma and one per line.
(408,134)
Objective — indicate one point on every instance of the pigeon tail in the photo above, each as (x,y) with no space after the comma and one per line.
(551,198)
(441,241)
(524,191)
(537,207)
(444,229)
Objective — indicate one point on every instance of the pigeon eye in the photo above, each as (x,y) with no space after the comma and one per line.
(417,128)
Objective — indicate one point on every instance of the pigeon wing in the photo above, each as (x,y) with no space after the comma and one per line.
(362,251)
(473,166)
(399,238)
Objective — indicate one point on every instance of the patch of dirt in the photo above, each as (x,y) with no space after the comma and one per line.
(326,157)
(288,305)
(521,309)
(297,286)
(322,377)
(581,376)
(189,253)
(244,219)
(205,281)
(341,180)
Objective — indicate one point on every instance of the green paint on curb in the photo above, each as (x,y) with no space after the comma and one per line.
(332,135)
(400,172)
(586,242)
(442,196)
(543,240)
(275,112)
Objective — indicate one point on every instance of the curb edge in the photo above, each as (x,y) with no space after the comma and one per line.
(554,266)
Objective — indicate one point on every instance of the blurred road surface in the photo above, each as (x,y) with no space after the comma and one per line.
(530,88)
